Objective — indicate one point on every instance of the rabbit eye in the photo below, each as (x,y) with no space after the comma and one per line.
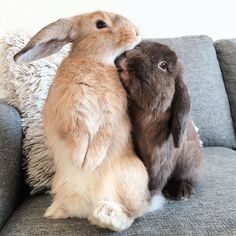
(163,66)
(100,24)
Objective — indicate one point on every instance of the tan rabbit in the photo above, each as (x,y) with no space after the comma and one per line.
(98,176)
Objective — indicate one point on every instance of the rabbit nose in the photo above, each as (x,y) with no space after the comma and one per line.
(123,63)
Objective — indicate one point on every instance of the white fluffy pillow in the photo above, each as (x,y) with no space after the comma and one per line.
(26,87)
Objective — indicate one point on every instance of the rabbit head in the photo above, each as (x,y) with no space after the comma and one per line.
(153,79)
(99,34)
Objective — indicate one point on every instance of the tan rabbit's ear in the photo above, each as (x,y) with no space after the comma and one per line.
(47,41)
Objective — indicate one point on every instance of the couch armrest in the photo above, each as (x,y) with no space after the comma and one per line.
(12,186)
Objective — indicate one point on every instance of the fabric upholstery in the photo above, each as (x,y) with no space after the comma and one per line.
(210,105)
(211,211)
(11,178)
(226,53)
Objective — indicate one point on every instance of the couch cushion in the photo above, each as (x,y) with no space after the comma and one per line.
(210,106)
(226,53)
(11,177)
(211,211)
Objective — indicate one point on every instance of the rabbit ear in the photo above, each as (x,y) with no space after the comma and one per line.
(47,41)
(180,110)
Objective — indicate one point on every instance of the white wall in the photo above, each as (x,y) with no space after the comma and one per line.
(155,18)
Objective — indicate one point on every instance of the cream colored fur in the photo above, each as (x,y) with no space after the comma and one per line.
(98,176)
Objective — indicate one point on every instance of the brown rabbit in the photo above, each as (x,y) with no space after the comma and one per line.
(98,176)
(164,135)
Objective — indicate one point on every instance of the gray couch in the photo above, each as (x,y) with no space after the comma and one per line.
(210,72)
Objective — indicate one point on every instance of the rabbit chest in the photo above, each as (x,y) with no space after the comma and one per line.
(100,97)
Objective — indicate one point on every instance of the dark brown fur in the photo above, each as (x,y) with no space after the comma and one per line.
(164,136)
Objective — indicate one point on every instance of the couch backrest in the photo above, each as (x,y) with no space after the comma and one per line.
(226,53)
(209,101)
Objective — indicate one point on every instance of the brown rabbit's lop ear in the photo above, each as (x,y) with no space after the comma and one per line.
(180,110)
(47,41)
